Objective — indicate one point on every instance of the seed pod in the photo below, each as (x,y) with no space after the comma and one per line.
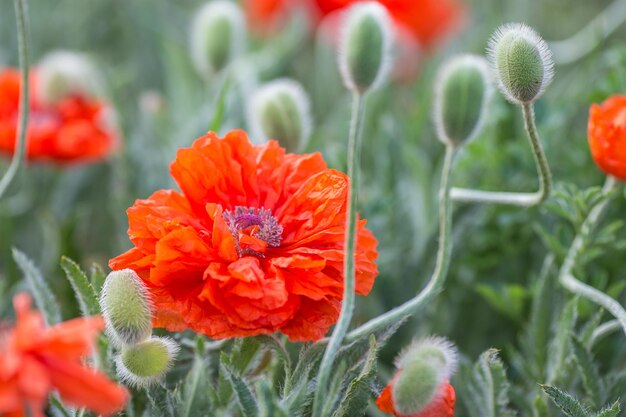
(463,90)
(521,62)
(145,363)
(62,73)
(217,36)
(126,308)
(280,110)
(365,47)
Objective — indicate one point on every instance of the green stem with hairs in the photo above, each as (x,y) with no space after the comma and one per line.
(438,277)
(517,199)
(347,306)
(21,18)
(566,277)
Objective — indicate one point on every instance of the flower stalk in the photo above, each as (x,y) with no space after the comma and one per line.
(566,276)
(510,198)
(21,18)
(438,277)
(347,306)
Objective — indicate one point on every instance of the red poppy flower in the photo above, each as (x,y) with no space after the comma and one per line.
(441,406)
(73,129)
(607,135)
(35,360)
(252,245)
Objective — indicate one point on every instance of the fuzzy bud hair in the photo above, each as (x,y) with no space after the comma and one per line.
(281,110)
(463,91)
(365,46)
(521,62)
(146,363)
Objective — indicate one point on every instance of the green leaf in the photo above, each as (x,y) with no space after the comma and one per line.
(268,407)
(360,390)
(244,353)
(84,292)
(568,404)
(612,411)
(44,298)
(243,394)
(97,278)
(196,401)
(484,388)
(562,339)
(588,372)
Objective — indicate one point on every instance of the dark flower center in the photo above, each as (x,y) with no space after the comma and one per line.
(248,225)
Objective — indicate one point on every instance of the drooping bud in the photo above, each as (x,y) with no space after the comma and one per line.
(280,110)
(364,54)
(521,61)
(217,36)
(422,380)
(126,308)
(145,363)
(63,73)
(462,92)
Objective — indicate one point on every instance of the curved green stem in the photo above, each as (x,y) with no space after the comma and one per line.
(604,330)
(21,9)
(588,38)
(566,276)
(438,277)
(517,199)
(347,306)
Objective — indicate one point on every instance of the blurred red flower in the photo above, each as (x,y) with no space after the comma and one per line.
(426,21)
(441,406)
(252,245)
(73,129)
(36,360)
(607,135)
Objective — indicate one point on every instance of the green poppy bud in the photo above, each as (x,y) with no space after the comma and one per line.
(147,362)
(365,47)
(423,368)
(63,73)
(217,36)
(126,308)
(463,90)
(280,110)
(521,62)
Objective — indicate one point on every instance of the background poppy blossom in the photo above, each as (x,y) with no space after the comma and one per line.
(73,129)
(35,360)
(252,245)
(607,135)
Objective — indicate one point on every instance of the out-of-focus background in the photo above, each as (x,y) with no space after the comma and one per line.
(141,48)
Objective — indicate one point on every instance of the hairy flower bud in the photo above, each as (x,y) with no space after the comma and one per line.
(145,363)
(217,36)
(63,73)
(280,110)
(462,92)
(421,385)
(126,308)
(365,47)
(521,61)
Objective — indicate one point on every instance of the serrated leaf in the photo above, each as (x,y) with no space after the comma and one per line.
(268,407)
(561,341)
(485,388)
(612,411)
(44,298)
(84,292)
(588,372)
(566,403)
(243,394)
(359,392)
(196,398)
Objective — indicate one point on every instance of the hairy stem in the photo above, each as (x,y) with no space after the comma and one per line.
(566,276)
(591,36)
(438,277)
(517,199)
(347,306)
(21,18)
